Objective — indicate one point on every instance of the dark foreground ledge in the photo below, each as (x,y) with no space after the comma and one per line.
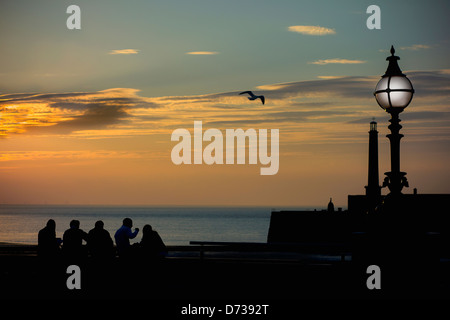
(223,277)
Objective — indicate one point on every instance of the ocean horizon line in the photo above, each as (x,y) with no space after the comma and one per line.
(274,208)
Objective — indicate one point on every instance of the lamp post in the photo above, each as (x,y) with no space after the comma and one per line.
(393,93)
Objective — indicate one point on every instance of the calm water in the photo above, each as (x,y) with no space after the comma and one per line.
(176,225)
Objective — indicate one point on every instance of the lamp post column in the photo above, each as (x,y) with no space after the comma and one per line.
(396,178)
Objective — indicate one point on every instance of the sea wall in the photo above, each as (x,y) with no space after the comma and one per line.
(313,226)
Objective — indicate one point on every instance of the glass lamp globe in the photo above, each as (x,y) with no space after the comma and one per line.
(394,91)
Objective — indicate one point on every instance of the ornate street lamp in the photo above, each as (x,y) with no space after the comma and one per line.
(393,93)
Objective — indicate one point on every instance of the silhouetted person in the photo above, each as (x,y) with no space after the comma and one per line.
(48,244)
(123,236)
(151,245)
(99,242)
(73,241)
(49,262)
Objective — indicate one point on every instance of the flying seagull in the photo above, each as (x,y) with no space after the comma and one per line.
(253,97)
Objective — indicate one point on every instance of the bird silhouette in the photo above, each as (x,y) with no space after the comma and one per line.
(253,97)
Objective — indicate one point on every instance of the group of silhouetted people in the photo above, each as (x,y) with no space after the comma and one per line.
(99,242)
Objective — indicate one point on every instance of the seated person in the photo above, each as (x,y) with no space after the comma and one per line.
(48,244)
(123,236)
(73,241)
(99,242)
(151,245)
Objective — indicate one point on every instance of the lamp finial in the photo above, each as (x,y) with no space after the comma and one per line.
(392,50)
(393,68)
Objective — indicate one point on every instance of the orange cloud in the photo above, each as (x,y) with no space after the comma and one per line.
(124,51)
(312,30)
(65,155)
(204,53)
(337,61)
(67,112)
(416,47)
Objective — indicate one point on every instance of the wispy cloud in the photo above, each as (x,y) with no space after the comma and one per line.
(123,112)
(202,53)
(312,30)
(68,112)
(416,47)
(337,61)
(432,84)
(67,155)
(329,77)
(124,51)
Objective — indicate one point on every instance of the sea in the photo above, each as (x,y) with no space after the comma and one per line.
(176,225)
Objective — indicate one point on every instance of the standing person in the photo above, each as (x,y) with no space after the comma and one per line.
(151,246)
(99,242)
(73,241)
(48,244)
(123,236)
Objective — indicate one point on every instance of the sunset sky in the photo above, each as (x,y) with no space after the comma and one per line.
(86,116)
